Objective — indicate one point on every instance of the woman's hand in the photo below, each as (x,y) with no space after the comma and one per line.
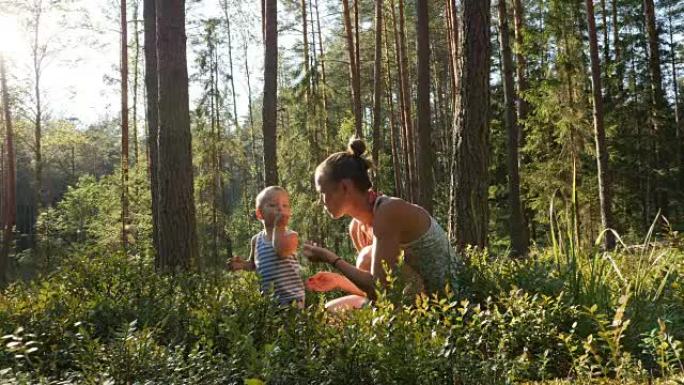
(316,253)
(324,281)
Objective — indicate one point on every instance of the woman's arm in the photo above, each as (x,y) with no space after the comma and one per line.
(385,249)
(328,281)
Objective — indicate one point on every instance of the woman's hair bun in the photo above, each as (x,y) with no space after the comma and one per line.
(356,146)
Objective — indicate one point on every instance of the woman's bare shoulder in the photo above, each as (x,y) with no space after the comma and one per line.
(396,207)
(396,214)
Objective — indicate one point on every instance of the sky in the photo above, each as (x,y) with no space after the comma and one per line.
(81,79)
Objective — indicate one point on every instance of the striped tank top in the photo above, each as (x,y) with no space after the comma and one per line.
(277,274)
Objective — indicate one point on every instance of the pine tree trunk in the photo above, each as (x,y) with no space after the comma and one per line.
(309,129)
(542,31)
(232,72)
(678,124)
(151,85)
(424,126)
(220,196)
(604,181)
(305,39)
(658,106)
(619,65)
(520,60)
(214,164)
(258,179)
(177,233)
(521,105)
(37,57)
(406,86)
(516,223)
(470,175)
(441,109)
(326,120)
(453,38)
(136,61)
(124,126)
(270,99)
(394,133)
(357,44)
(405,142)
(353,72)
(606,50)
(377,83)
(454,48)
(9,201)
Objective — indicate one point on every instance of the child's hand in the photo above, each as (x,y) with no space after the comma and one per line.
(282,219)
(286,243)
(316,253)
(236,263)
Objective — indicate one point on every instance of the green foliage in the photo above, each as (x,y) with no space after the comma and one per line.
(89,217)
(110,318)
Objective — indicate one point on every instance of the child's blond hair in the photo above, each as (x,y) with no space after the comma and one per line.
(266,193)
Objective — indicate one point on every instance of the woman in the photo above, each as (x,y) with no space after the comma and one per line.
(381,229)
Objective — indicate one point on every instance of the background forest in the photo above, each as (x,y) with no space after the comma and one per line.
(527,127)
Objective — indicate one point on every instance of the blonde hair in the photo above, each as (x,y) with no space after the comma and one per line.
(266,193)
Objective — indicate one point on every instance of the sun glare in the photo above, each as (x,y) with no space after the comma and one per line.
(10,37)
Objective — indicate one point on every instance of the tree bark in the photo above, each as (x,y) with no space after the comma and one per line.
(270,99)
(136,61)
(403,99)
(309,129)
(606,50)
(177,233)
(357,43)
(521,61)
(394,133)
(521,105)
(124,126)
(326,122)
(258,180)
(151,85)
(678,124)
(353,72)
(305,39)
(517,224)
(424,149)
(214,142)
(377,83)
(469,174)
(38,55)
(453,37)
(658,105)
(9,201)
(604,181)
(619,65)
(232,72)
(406,94)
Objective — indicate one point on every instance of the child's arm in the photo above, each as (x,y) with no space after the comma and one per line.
(285,242)
(237,263)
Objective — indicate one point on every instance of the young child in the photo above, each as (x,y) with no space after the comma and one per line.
(272,251)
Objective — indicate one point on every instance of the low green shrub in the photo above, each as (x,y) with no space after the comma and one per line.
(113,319)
